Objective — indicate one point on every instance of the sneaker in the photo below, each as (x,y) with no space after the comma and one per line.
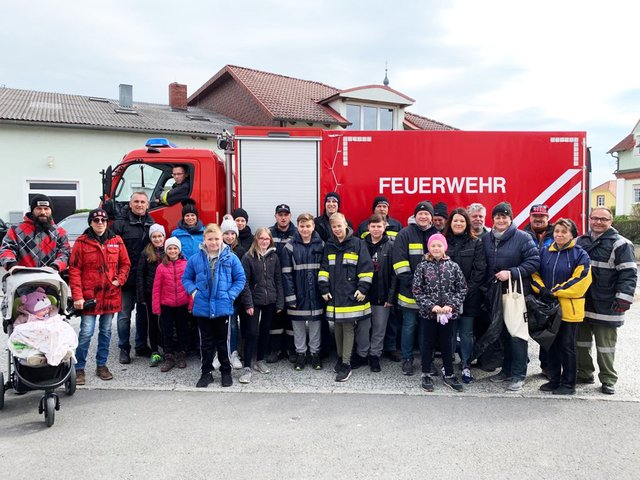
(125,358)
(293,356)
(246,375)
(169,362)
(301,360)
(272,357)
(80,377)
(338,365)
(143,352)
(374,363)
(564,390)
(393,355)
(155,359)
(466,375)
(344,373)
(427,382)
(227,380)
(608,389)
(515,385)
(261,366)
(235,360)
(357,361)
(549,386)
(590,380)
(181,360)
(499,378)
(216,363)
(316,361)
(103,373)
(452,382)
(407,367)
(205,380)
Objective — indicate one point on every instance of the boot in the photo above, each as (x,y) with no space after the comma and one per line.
(169,362)
(181,360)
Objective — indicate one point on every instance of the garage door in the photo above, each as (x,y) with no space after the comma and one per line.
(274,171)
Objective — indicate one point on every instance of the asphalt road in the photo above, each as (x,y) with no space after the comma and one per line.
(159,434)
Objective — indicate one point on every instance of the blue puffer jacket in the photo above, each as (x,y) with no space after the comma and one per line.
(214,294)
(515,252)
(190,238)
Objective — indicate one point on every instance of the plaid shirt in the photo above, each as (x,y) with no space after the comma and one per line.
(28,246)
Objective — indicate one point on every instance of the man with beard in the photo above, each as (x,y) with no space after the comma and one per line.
(37,241)
(539,227)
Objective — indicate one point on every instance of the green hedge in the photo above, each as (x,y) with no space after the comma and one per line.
(628,227)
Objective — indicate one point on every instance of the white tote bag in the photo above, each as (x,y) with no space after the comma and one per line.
(514,307)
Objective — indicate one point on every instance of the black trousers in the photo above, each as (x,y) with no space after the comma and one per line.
(437,334)
(214,335)
(561,358)
(175,320)
(255,330)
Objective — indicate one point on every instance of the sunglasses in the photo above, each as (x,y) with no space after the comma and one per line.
(99,220)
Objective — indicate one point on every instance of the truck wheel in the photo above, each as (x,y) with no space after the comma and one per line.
(70,384)
(50,410)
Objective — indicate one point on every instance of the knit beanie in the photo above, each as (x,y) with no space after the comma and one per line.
(503,208)
(378,200)
(172,241)
(229,225)
(334,196)
(439,237)
(156,227)
(35,301)
(189,206)
(96,213)
(40,200)
(423,207)
(240,212)
(440,210)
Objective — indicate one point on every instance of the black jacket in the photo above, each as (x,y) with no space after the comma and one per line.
(146,273)
(323,227)
(515,252)
(393,227)
(614,272)
(245,238)
(134,231)
(264,278)
(178,192)
(468,253)
(280,237)
(385,283)
(300,266)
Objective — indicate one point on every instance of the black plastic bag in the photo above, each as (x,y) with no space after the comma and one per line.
(545,319)
(493,306)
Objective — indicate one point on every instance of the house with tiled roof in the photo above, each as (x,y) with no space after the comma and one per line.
(627,155)
(255,97)
(604,195)
(57,143)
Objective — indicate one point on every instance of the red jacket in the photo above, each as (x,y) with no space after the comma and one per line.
(26,246)
(167,286)
(92,268)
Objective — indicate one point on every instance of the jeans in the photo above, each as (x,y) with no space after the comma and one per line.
(124,322)
(409,322)
(87,327)
(463,327)
(515,359)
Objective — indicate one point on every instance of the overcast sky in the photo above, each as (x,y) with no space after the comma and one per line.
(475,65)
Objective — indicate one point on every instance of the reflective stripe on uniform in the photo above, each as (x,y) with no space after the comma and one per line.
(306,266)
(323,276)
(606,349)
(286,270)
(416,249)
(402,267)
(366,277)
(605,265)
(391,233)
(305,313)
(332,258)
(625,265)
(290,298)
(349,312)
(584,344)
(406,301)
(603,317)
(624,296)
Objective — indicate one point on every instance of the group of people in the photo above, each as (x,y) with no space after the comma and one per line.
(248,300)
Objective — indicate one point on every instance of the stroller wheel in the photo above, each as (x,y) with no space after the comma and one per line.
(49,410)
(70,384)
(1,390)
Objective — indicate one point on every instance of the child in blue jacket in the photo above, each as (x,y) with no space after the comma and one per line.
(214,277)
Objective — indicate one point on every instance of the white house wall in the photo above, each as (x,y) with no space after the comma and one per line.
(76,155)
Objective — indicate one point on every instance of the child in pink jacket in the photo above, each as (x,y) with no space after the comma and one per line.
(171,302)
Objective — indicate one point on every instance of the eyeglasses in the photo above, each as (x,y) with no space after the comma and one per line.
(600,219)
(264,239)
(99,220)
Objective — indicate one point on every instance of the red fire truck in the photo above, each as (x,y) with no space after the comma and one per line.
(299,166)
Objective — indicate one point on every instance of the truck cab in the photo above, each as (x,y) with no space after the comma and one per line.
(149,170)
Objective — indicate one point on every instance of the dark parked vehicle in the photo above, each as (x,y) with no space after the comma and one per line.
(4,228)
(74,225)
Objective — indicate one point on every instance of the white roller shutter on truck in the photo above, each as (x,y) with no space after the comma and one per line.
(274,171)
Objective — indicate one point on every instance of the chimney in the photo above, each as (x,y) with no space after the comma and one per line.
(126,95)
(177,96)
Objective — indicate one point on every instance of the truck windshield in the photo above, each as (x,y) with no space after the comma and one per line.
(142,177)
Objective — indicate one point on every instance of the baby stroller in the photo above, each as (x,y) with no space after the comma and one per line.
(23,377)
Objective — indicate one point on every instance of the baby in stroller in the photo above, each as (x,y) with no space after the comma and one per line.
(40,335)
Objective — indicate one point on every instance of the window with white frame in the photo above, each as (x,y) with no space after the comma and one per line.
(636,194)
(368,117)
(600,200)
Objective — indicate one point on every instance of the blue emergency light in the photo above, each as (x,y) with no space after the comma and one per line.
(160,143)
